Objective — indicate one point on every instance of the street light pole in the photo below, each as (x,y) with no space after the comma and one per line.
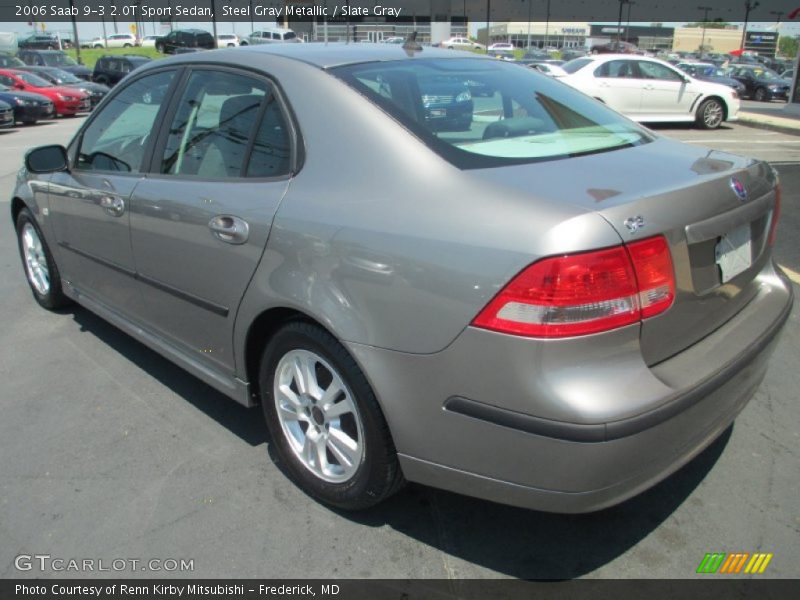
(547,27)
(530,6)
(705,10)
(619,24)
(628,25)
(748,6)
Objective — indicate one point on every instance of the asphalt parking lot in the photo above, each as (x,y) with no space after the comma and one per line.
(110,451)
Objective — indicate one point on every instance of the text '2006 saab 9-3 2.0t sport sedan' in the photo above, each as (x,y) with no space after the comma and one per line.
(539,303)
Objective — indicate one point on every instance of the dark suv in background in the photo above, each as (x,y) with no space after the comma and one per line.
(54,58)
(185,38)
(40,42)
(109,69)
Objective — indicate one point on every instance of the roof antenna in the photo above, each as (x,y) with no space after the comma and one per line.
(411,44)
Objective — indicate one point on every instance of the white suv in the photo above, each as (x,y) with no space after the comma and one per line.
(651,90)
(117,40)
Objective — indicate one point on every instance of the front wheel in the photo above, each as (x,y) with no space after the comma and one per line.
(160,48)
(710,114)
(40,266)
(760,95)
(324,420)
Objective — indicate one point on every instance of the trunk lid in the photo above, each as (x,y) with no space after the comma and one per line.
(689,195)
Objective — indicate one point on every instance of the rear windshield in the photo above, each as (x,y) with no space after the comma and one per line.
(289,35)
(58,60)
(480,113)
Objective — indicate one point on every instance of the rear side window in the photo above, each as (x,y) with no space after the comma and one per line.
(117,137)
(227,125)
(576,64)
(479,113)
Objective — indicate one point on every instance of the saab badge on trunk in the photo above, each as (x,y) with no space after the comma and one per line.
(739,189)
(634,224)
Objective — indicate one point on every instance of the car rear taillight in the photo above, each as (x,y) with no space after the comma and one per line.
(584,293)
(776,214)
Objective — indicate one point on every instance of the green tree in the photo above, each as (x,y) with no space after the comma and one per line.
(709,24)
(787,46)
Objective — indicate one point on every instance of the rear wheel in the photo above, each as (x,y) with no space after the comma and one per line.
(760,95)
(126,45)
(710,114)
(40,266)
(326,426)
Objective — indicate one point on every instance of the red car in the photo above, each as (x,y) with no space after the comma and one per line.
(67,101)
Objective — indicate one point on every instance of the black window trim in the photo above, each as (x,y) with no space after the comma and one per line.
(296,150)
(77,141)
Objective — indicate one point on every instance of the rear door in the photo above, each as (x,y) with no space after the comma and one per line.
(201,219)
(90,203)
(618,85)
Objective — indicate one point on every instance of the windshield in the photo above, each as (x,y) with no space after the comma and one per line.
(481,113)
(289,35)
(10,61)
(56,60)
(33,80)
(765,74)
(66,76)
(576,64)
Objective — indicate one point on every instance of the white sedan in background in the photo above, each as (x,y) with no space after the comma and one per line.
(652,91)
(149,41)
(502,46)
(460,43)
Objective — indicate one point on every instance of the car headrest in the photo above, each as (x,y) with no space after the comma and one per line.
(239,113)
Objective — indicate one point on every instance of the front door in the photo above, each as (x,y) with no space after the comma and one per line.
(665,91)
(90,203)
(200,221)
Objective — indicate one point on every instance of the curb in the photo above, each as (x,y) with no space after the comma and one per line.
(759,124)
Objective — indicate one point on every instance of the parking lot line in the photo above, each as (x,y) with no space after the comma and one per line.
(793,275)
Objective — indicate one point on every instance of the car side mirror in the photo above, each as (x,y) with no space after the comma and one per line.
(46,159)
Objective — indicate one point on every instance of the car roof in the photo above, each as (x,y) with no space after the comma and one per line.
(337,54)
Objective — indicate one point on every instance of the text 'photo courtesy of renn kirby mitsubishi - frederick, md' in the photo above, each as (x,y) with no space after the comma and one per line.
(402,289)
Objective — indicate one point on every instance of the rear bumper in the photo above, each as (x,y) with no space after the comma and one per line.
(567,428)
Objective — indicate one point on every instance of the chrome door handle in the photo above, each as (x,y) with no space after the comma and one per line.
(229,229)
(649,86)
(113,205)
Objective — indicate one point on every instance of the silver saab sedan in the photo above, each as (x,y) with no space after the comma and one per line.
(424,265)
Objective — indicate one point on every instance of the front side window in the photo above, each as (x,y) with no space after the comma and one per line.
(481,113)
(117,137)
(215,133)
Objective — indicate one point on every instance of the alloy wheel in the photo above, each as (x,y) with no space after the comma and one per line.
(318,416)
(712,115)
(35,260)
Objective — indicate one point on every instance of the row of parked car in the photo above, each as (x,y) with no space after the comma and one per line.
(37,85)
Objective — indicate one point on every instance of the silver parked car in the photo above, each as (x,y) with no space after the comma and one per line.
(521,296)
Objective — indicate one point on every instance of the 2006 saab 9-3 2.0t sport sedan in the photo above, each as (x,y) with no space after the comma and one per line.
(521,296)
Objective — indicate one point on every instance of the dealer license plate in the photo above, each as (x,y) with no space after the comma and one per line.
(734,252)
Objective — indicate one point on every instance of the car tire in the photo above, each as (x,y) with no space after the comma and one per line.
(342,426)
(160,48)
(126,45)
(243,43)
(710,114)
(760,95)
(231,45)
(102,80)
(40,266)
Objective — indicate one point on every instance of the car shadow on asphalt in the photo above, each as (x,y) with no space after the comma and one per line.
(535,545)
(246,423)
(512,541)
